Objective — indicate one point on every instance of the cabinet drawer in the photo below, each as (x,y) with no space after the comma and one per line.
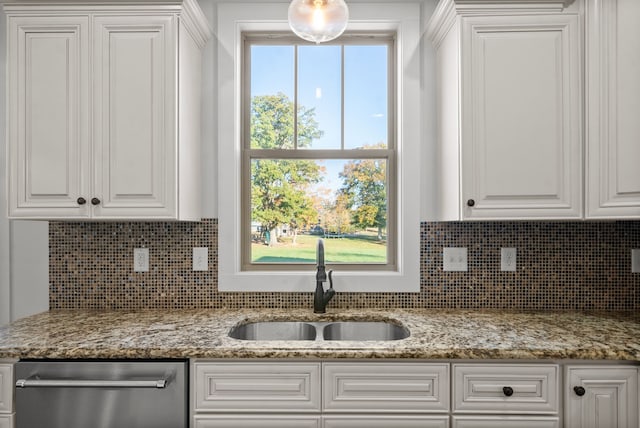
(256,387)
(505,422)
(6,389)
(383,421)
(505,388)
(385,387)
(256,421)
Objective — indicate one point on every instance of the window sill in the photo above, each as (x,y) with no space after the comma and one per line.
(298,281)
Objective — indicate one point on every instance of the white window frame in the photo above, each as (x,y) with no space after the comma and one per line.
(404,20)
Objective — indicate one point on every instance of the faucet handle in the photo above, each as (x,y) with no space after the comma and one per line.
(321,274)
(331,279)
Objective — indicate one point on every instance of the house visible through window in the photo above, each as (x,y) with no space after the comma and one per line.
(318,152)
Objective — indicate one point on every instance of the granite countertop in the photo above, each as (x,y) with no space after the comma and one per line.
(435,334)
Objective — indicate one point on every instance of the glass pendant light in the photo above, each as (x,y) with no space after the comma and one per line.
(318,20)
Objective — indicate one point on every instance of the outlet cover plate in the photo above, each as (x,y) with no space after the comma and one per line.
(635,260)
(141,260)
(508,259)
(454,259)
(200,258)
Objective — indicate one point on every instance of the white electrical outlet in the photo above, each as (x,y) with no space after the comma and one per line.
(200,258)
(141,260)
(508,259)
(454,259)
(635,260)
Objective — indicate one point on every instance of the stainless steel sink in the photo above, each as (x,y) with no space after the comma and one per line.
(330,330)
(364,330)
(274,330)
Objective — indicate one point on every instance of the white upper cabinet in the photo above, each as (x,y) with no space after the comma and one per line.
(48,116)
(613,108)
(134,101)
(509,106)
(104,110)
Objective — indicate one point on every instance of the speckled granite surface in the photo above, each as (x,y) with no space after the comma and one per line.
(435,334)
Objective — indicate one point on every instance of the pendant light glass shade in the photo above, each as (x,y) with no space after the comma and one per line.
(318,20)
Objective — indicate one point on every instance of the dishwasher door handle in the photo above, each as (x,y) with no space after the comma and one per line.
(82,383)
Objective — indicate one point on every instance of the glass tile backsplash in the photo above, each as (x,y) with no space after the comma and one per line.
(560,266)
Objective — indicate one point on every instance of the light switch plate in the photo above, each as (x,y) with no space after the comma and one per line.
(200,258)
(141,260)
(454,259)
(508,259)
(635,260)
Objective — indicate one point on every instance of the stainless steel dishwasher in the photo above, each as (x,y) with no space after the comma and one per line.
(101,394)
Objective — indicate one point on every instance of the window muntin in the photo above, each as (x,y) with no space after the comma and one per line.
(334,118)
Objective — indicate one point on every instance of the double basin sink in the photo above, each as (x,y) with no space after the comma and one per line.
(330,330)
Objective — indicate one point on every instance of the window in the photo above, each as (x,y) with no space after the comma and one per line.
(318,152)
(328,136)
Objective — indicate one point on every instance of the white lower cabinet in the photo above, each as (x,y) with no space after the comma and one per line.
(505,422)
(288,394)
(7,421)
(410,394)
(6,388)
(7,417)
(601,397)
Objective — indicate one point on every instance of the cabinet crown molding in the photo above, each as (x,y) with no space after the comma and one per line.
(447,11)
(196,23)
(189,11)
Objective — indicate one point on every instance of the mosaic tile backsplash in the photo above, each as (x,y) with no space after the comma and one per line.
(560,266)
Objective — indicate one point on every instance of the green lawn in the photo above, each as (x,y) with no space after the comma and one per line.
(365,249)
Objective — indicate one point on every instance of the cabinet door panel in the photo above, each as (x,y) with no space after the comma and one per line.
(257,387)
(610,398)
(48,104)
(613,97)
(521,142)
(385,387)
(134,75)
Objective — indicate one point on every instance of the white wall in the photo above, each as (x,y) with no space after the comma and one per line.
(428,153)
(29,267)
(210,117)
